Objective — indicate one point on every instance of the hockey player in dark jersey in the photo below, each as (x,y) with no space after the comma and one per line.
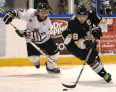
(82,28)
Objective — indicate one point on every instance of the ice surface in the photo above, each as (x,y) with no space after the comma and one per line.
(30,79)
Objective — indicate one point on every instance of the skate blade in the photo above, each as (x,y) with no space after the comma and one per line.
(111,82)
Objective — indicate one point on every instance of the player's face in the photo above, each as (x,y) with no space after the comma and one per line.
(82,18)
(43,14)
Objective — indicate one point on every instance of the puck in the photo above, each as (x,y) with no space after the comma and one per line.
(65,89)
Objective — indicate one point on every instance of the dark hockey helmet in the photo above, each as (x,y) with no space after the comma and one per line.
(42,6)
(82,10)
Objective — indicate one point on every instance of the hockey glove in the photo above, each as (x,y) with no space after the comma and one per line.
(89,44)
(96,32)
(23,32)
(108,10)
(9,17)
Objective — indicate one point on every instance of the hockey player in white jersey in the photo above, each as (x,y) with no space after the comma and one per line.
(93,5)
(38,29)
(2,8)
(105,7)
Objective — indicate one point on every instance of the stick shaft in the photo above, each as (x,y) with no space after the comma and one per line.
(36,47)
(73,86)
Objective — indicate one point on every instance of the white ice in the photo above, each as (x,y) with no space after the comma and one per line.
(30,79)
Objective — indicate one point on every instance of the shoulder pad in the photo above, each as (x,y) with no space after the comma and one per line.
(73,17)
(31,12)
(91,12)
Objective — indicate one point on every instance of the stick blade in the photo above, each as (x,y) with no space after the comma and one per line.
(69,86)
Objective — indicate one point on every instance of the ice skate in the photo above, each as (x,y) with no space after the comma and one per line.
(55,70)
(37,64)
(107,77)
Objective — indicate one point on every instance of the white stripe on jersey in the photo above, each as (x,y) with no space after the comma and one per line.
(102,3)
(2,10)
(93,3)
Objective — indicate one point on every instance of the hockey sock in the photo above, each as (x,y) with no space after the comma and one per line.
(102,73)
(54,58)
(98,68)
(50,65)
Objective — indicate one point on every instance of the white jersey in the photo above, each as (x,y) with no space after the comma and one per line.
(102,3)
(93,3)
(2,9)
(40,31)
(2,2)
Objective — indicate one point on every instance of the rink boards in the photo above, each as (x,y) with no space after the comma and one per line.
(13,48)
(61,61)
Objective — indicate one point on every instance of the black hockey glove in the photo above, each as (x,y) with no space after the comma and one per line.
(9,17)
(89,44)
(23,32)
(96,32)
(108,10)
(18,32)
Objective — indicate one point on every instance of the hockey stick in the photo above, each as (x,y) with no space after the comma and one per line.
(34,45)
(87,3)
(73,86)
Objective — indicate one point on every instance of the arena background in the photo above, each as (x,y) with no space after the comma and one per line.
(13,48)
